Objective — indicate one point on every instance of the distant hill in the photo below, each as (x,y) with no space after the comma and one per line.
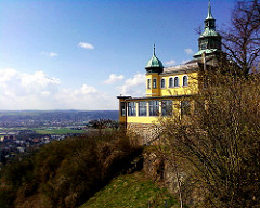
(58,114)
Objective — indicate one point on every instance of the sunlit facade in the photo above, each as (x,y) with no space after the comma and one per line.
(170,89)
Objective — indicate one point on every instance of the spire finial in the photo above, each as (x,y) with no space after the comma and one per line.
(154,49)
(209,11)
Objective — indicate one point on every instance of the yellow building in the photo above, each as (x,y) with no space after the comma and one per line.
(170,88)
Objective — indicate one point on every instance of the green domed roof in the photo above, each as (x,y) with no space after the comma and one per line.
(154,62)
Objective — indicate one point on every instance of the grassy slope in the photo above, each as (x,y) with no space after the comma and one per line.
(131,190)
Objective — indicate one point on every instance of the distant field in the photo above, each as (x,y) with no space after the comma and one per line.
(58,131)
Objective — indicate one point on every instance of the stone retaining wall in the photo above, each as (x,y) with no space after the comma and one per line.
(146,132)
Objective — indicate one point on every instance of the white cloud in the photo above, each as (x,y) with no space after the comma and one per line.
(134,86)
(26,91)
(38,91)
(86,97)
(85,45)
(189,51)
(17,83)
(113,78)
(184,62)
(172,62)
(51,54)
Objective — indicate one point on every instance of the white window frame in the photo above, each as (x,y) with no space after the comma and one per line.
(131,108)
(166,107)
(155,83)
(123,109)
(183,81)
(174,82)
(164,83)
(171,86)
(153,108)
(149,80)
(140,108)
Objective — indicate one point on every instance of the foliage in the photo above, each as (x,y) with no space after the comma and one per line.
(220,140)
(66,173)
(131,190)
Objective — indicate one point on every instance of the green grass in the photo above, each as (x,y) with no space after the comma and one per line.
(131,190)
(46,130)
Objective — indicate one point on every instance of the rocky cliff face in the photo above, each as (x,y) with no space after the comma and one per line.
(174,177)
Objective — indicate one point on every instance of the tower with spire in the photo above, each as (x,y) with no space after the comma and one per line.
(209,42)
(153,70)
(154,65)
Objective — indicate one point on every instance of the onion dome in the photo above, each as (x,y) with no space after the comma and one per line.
(154,65)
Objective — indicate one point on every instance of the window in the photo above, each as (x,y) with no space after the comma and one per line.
(166,107)
(162,83)
(171,82)
(203,46)
(142,108)
(122,108)
(185,81)
(185,107)
(176,81)
(153,108)
(131,109)
(149,84)
(154,84)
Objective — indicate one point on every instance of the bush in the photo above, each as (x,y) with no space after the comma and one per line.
(67,173)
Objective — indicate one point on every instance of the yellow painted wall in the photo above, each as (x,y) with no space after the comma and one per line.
(153,91)
(121,118)
(148,119)
(192,87)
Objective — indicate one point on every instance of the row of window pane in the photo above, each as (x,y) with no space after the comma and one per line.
(149,84)
(153,108)
(173,82)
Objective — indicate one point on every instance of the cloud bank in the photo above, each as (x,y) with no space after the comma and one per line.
(38,91)
(134,86)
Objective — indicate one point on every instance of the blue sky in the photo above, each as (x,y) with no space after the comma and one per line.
(77,54)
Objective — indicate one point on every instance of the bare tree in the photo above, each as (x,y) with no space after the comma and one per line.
(220,140)
(241,41)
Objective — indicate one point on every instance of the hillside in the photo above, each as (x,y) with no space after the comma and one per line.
(65,174)
(131,191)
